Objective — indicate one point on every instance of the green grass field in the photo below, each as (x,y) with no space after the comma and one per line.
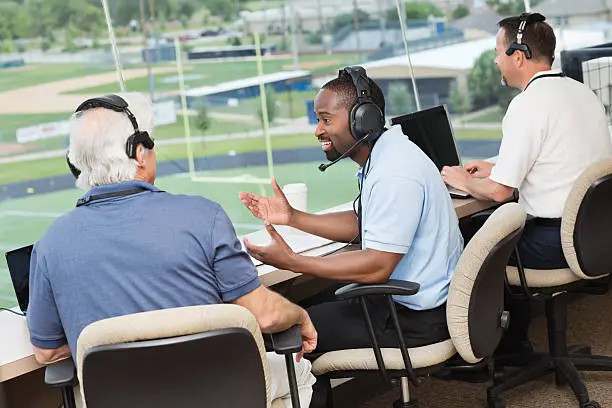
(494,116)
(41,74)
(32,170)
(211,73)
(24,220)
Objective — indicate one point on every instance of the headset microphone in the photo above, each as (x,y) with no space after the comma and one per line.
(323,166)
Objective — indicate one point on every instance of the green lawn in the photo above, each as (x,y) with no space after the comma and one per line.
(41,74)
(13,122)
(494,116)
(37,212)
(56,166)
(217,72)
(475,134)
(32,170)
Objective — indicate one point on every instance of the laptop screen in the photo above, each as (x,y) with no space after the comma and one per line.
(18,262)
(431,130)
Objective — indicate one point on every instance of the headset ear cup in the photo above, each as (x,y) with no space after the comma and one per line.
(353,123)
(368,119)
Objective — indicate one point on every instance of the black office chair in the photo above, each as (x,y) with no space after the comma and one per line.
(586,233)
(474,311)
(200,356)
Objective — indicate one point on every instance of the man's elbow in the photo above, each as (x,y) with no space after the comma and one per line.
(269,322)
(502,194)
(43,356)
(382,275)
(49,356)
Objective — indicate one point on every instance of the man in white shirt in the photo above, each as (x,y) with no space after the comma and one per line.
(552,131)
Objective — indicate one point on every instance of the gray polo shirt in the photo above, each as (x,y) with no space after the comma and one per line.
(120,255)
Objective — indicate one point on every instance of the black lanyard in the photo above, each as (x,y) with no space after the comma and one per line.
(559,75)
(121,193)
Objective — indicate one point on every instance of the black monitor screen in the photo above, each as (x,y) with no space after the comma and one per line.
(431,130)
(18,262)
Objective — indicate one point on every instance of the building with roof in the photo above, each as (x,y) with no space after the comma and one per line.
(226,92)
(571,13)
(480,23)
(436,70)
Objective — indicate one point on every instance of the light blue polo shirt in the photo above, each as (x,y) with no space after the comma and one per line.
(408,210)
(121,255)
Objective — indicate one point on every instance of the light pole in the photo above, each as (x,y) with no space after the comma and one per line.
(143,22)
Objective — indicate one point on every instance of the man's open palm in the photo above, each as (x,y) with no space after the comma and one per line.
(272,210)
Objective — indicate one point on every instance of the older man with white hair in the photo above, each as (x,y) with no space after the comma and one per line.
(129,247)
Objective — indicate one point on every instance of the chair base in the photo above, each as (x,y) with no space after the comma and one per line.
(400,404)
(566,370)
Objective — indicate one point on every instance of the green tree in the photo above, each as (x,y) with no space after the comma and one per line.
(271,105)
(221,8)
(510,7)
(348,19)
(484,84)
(416,10)
(459,101)
(202,119)
(460,11)
(400,99)
(188,8)
(184,21)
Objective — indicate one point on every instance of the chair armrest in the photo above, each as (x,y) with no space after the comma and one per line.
(288,341)
(61,374)
(391,287)
(482,216)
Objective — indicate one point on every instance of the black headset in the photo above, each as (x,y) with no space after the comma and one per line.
(524,19)
(117,104)
(365,118)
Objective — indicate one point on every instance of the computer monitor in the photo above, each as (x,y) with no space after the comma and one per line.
(18,262)
(431,130)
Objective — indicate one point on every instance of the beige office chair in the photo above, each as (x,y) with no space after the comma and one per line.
(199,356)
(586,234)
(474,311)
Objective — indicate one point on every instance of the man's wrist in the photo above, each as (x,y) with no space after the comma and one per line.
(295,263)
(292,217)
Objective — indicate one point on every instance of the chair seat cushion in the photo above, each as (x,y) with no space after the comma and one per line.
(363,359)
(542,278)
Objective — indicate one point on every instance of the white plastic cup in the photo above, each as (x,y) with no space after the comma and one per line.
(297,195)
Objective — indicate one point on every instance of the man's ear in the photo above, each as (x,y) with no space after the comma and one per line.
(140,155)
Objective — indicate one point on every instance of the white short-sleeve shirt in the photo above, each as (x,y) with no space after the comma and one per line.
(552,132)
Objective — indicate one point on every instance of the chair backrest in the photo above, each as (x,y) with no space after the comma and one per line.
(185,357)
(476,296)
(586,225)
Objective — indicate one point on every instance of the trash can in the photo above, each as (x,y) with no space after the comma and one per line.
(312,118)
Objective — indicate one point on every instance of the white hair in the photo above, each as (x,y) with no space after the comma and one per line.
(98,137)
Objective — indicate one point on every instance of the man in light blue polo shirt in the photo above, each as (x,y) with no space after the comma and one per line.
(410,230)
(129,247)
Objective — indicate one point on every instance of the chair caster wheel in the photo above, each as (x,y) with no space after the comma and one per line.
(591,404)
(495,403)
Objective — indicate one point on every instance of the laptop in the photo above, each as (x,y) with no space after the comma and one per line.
(18,261)
(431,130)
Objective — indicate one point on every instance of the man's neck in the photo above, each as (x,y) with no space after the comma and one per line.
(361,155)
(531,72)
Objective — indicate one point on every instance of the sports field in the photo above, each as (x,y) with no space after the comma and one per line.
(24,220)
(38,94)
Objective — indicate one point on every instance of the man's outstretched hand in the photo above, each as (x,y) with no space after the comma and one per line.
(272,210)
(278,253)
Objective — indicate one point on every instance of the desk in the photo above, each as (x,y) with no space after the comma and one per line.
(16,354)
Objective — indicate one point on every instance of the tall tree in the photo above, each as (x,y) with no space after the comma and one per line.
(484,84)
(416,10)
